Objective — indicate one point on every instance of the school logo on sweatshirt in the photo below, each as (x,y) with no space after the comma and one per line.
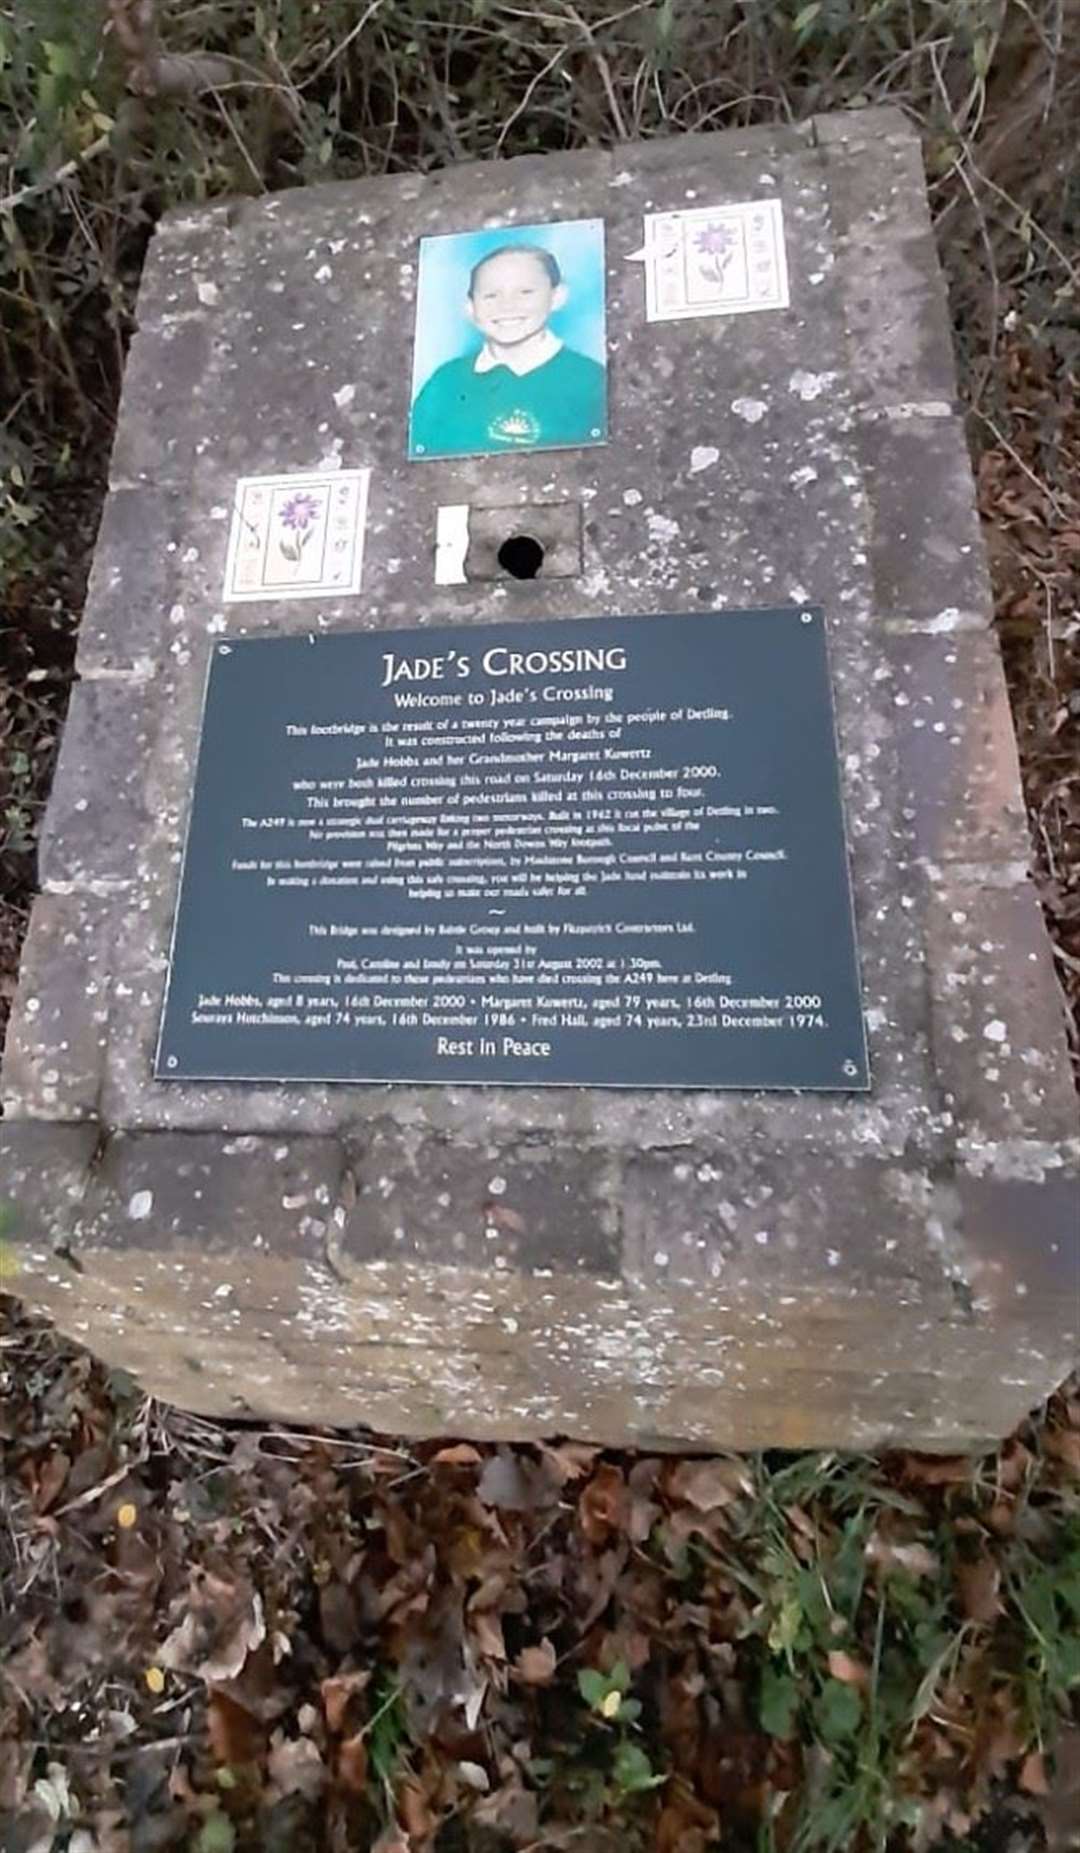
(517,427)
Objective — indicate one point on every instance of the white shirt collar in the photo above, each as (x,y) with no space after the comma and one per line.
(546,346)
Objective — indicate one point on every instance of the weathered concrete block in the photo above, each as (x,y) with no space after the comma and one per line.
(549,1207)
(958,772)
(45,1168)
(98,818)
(997,1023)
(213,1194)
(54,1057)
(926,549)
(167,387)
(131,592)
(720,1222)
(665,1267)
(895,308)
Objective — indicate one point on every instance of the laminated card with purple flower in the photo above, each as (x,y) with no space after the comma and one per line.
(715,260)
(297,536)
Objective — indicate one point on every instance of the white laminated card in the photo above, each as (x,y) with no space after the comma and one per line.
(298,536)
(715,260)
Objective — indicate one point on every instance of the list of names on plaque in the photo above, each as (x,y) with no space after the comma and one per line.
(604,852)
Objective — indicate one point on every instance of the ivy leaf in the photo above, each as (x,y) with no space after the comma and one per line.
(217,1835)
(593,1687)
(779,1702)
(632,1770)
(838,1711)
(785,1627)
(60,57)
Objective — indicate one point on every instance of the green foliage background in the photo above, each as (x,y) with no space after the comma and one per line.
(117,109)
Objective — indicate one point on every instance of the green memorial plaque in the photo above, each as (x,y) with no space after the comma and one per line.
(607,852)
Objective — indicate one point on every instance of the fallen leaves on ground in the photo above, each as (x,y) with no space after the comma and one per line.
(1029,497)
(301,1645)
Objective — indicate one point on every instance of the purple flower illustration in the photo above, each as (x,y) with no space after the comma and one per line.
(297,517)
(715,245)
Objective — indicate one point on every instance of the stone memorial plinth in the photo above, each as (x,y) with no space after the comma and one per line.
(654,1265)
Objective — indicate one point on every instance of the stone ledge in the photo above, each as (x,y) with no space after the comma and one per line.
(421,1351)
(45,1169)
(1021,1240)
(137,546)
(54,1055)
(958,772)
(997,1014)
(520,1206)
(927,549)
(895,304)
(98,815)
(237,1197)
(862,128)
(730,1222)
(167,394)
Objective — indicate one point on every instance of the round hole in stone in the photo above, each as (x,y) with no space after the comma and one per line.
(521,556)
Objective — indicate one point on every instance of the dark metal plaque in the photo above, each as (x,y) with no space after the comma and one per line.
(607,852)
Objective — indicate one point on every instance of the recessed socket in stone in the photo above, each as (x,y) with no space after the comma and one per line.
(538,541)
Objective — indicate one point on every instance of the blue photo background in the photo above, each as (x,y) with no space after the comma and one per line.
(443,329)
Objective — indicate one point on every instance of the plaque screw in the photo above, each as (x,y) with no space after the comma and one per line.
(850,1068)
(806,617)
(171,1061)
(224,649)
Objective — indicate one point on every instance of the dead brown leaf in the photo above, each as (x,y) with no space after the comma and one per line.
(512,1483)
(536,1665)
(223,1624)
(352,1765)
(685,1824)
(461,1454)
(709,1485)
(337,1693)
(1061,1809)
(416,1816)
(1063,1444)
(294,1766)
(1015,1463)
(1001,1736)
(937,1470)
(487,1634)
(339,1617)
(512,1810)
(1033,1777)
(568,1460)
(913,1558)
(16,1760)
(603,1506)
(235,1736)
(1001,1518)
(849,1671)
(50,1479)
(681,1713)
(979,1585)
(29,1671)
